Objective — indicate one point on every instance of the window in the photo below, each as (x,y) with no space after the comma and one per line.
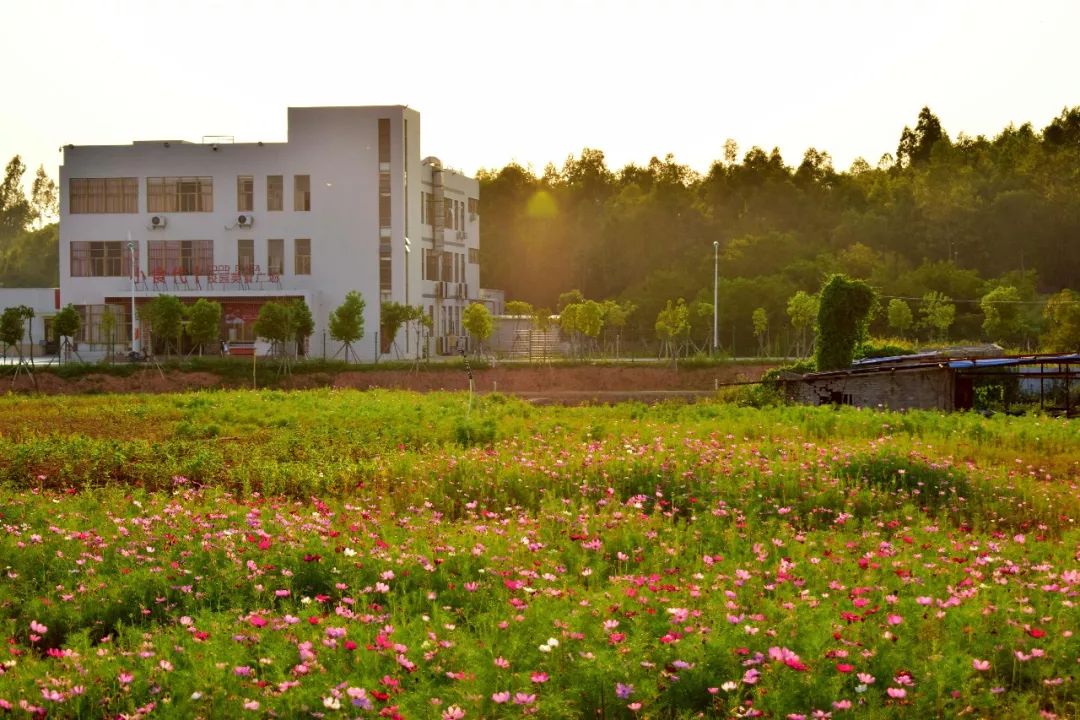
(431,265)
(275,192)
(302,193)
(302,257)
(275,256)
(91,329)
(474,256)
(184,257)
(245,256)
(245,193)
(449,214)
(103,195)
(474,208)
(447,266)
(179,194)
(386,278)
(384,210)
(109,258)
(384,140)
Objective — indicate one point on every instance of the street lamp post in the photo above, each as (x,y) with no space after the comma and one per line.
(408,254)
(131,250)
(715,294)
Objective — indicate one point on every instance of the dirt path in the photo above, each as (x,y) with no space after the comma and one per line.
(554,384)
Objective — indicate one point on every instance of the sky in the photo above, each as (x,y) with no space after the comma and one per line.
(534,82)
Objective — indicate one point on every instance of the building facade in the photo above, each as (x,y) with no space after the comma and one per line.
(346,203)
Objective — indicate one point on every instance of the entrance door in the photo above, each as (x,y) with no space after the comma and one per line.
(964,394)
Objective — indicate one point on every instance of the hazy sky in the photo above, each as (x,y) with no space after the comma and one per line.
(536,81)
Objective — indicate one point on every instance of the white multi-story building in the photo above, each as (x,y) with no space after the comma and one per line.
(344,204)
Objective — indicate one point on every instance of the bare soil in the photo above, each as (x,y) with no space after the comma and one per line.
(537,383)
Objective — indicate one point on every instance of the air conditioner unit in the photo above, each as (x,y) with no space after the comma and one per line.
(157,221)
(245,221)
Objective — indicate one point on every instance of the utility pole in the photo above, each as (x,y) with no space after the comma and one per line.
(715,295)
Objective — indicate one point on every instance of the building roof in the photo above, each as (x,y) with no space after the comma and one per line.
(937,360)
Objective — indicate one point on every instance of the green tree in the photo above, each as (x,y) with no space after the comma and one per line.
(938,313)
(477,321)
(11,329)
(916,145)
(518,309)
(802,309)
(843,312)
(541,324)
(1062,314)
(1001,310)
(31,258)
(760,318)
(44,199)
(107,328)
(616,315)
(346,323)
(66,323)
(391,317)
(672,327)
(204,323)
(277,323)
(303,324)
(899,316)
(571,297)
(165,314)
(568,323)
(15,210)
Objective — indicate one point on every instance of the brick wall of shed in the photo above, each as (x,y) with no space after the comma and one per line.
(923,389)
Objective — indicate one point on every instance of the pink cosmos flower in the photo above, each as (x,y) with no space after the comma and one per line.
(524,698)
(539,677)
(895,619)
(980,665)
(38,628)
(896,693)
(453,713)
(500,697)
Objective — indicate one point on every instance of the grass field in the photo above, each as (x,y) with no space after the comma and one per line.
(345,554)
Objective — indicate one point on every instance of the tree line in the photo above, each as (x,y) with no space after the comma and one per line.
(29,234)
(962,239)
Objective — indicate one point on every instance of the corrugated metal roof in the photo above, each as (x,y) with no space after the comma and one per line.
(928,361)
(1013,361)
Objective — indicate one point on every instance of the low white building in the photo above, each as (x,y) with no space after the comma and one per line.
(346,203)
(44,302)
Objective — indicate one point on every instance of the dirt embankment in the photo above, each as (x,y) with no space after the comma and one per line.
(534,382)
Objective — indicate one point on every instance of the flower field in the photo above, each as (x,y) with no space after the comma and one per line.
(346,554)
